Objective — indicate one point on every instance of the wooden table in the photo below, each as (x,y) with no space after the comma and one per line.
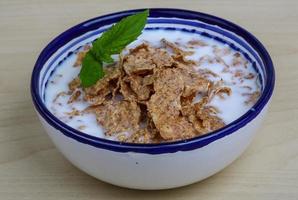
(32,168)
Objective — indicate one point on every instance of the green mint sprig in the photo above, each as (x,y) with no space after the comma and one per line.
(111,42)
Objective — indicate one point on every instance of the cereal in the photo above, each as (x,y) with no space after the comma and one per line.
(164,106)
(142,89)
(161,58)
(82,127)
(249,76)
(73,113)
(165,86)
(176,50)
(219,52)
(206,73)
(157,94)
(126,91)
(181,59)
(112,74)
(99,92)
(74,84)
(74,97)
(59,95)
(118,116)
(252,97)
(141,136)
(138,62)
(199,43)
(193,83)
(81,55)
(238,60)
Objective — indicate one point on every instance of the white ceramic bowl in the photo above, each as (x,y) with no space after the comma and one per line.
(154,166)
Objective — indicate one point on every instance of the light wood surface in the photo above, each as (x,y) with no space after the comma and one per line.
(32,168)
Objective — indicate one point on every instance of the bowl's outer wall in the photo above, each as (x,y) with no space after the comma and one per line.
(159,171)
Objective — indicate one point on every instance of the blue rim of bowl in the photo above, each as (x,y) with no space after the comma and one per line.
(168,147)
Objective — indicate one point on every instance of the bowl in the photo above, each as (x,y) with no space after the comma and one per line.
(154,166)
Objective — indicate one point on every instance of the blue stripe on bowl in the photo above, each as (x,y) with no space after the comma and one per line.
(257,50)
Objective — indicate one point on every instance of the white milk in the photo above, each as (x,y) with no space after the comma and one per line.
(231,108)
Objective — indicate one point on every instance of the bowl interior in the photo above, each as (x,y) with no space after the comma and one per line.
(218,29)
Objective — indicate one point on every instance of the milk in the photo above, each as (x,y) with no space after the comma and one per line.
(230,108)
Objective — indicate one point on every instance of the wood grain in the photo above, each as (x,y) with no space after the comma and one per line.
(32,168)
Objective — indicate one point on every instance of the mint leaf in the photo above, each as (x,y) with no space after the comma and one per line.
(113,41)
(116,38)
(91,70)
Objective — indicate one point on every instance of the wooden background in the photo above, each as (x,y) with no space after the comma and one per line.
(32,168)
